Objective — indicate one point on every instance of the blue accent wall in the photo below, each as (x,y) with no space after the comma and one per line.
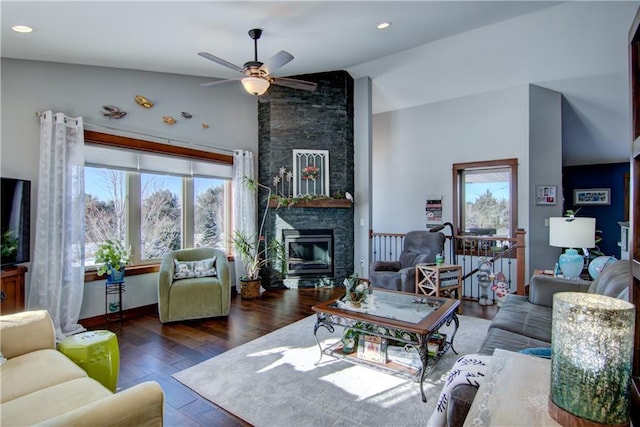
(610,175)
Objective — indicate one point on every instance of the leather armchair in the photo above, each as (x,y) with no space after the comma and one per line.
(420,247)
(193,298)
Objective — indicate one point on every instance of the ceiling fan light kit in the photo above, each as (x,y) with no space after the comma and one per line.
(255,85)
(258,80)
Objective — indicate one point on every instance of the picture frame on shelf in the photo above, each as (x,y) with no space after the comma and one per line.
(592,197)
(310,173)
(546,195)
(372,348)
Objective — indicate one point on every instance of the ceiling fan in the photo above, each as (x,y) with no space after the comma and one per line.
(258,74)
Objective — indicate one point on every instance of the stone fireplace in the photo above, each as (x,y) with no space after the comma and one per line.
(322,120)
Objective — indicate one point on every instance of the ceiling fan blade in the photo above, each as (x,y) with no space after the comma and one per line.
(221,61)
(217,82)
(294,83)
(276,61)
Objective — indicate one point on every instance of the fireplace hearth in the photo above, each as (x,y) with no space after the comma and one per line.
(309,253)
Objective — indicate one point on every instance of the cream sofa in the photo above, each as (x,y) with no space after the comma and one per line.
(41,386)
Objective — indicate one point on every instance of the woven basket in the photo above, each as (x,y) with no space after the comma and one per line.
(250,289)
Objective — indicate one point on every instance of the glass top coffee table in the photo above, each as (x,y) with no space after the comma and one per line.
(408,321)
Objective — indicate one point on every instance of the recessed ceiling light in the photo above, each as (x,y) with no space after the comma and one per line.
(22,28)
(383,25)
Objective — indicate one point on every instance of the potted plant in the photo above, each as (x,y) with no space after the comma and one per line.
(253,249)
(113,257)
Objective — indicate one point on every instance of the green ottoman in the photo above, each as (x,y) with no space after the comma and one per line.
(97,353)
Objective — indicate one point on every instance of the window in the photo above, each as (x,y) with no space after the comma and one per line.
(160,215)
(210,214)
(485,197)
(154,203)
(105,209)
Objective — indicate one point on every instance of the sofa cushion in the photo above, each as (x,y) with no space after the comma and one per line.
(387,280)
(613,281)
(25,332)
(518,315)
(52,401)
(498,338)
(35,371)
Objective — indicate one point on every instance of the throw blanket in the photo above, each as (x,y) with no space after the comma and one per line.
(469,370)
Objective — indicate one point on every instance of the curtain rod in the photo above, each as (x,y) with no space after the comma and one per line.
(132,134)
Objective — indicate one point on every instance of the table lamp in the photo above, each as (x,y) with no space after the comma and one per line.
(591,357)
(572,232)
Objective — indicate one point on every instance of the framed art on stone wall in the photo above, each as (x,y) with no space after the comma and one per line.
(311,173)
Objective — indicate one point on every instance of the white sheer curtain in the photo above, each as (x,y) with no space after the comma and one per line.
(244,200)
(57,277)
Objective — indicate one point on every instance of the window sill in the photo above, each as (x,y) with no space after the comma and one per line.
(134,270)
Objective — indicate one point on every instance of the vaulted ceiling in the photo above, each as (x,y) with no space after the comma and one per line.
(165,36)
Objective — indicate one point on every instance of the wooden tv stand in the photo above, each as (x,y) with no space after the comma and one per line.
(12,290)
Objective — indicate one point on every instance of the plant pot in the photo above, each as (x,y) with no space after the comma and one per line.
(116,276)
(349,341)
(250,288)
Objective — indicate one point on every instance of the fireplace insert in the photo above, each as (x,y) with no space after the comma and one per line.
(309,253)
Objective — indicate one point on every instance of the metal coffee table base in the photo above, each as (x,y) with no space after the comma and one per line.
(419,341)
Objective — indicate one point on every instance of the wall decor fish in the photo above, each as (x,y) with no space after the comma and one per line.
(141,100)
(186,115)
(168,120)
(112,112)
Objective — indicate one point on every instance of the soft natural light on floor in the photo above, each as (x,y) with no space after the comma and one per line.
(363,383)
(299,358)
(373,386)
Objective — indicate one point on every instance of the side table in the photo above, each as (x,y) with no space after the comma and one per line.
(12,290)
(97,353)
(440,280)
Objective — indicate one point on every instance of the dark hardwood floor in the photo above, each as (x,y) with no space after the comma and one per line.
(150,350)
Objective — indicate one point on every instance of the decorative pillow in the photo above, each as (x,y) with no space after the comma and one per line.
(189,269)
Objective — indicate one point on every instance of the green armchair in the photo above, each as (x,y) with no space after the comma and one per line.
(196,297)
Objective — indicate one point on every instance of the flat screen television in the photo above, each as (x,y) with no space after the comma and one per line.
(15,214)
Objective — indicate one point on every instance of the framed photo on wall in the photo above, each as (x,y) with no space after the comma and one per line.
(592,197)
(546,194)
(310,173)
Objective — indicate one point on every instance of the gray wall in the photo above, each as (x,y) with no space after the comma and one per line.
(363,207)
(414,149)
(30,86)
(545,168)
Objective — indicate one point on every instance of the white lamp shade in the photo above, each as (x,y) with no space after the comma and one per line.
(255,85)
(568,232)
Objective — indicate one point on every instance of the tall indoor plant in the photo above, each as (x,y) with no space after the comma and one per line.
(253,248)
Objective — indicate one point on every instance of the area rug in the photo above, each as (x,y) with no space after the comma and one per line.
(274,381)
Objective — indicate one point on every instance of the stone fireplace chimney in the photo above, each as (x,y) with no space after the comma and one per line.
(322,120)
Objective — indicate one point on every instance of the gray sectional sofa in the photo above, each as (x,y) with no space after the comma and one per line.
(525,322)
